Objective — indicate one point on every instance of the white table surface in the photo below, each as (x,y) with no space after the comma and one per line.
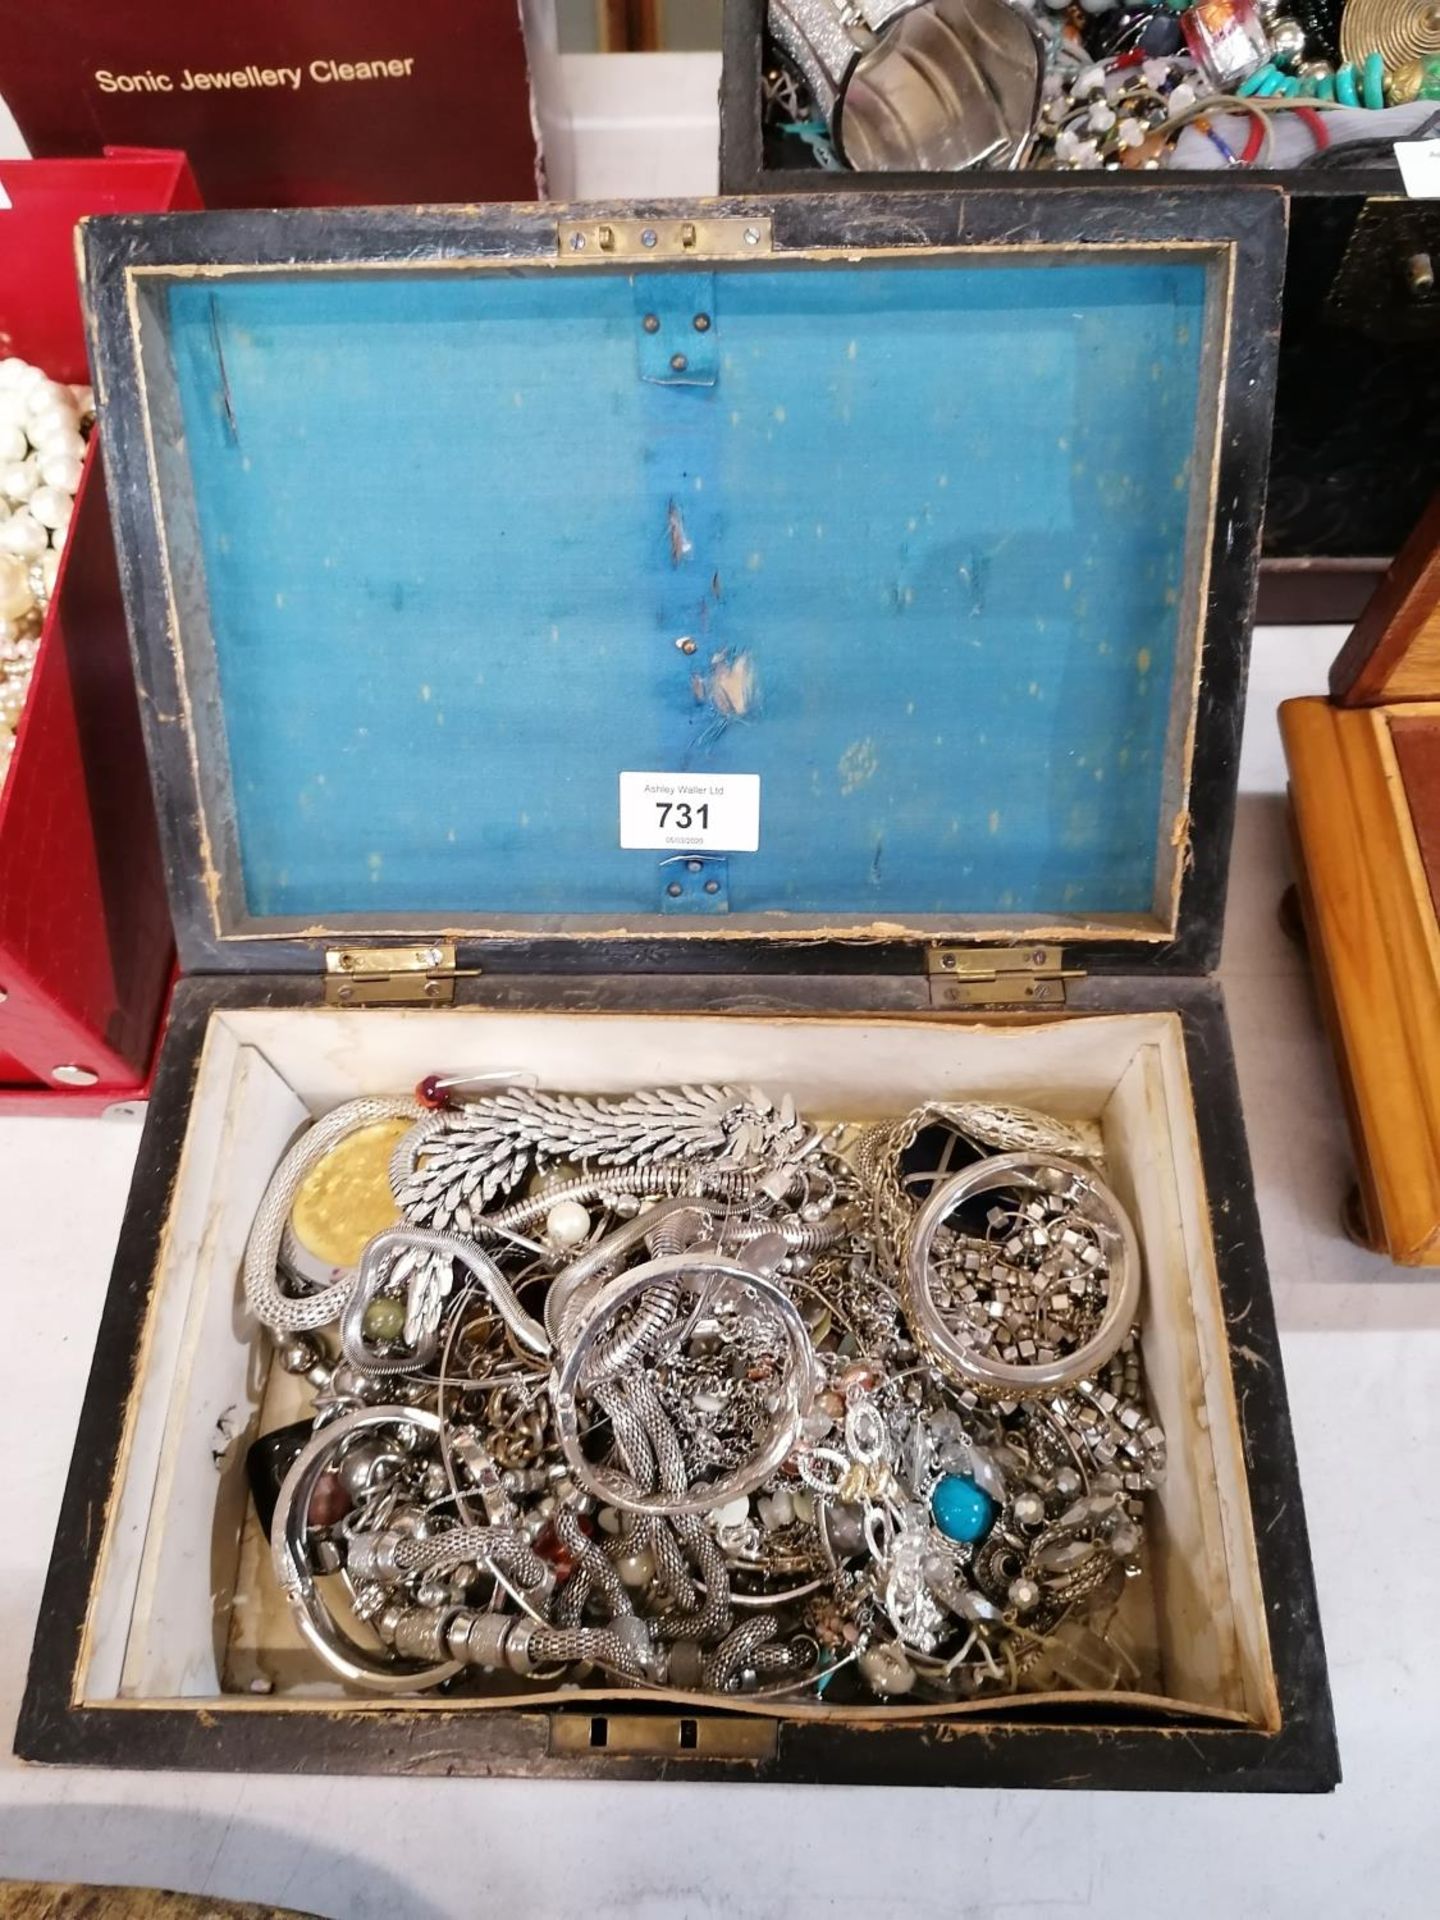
(1362,1356)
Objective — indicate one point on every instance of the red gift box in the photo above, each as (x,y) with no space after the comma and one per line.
(85,940)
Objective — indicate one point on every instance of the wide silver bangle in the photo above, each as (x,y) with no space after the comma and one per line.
(918,86)
(962,1353)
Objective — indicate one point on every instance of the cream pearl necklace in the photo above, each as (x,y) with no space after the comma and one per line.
(43,425)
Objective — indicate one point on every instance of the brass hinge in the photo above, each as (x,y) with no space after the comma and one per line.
(725,237)
(392,976)
(981,977)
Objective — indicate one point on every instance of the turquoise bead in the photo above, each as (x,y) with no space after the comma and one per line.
(1345,91)
(1372,81)
(1255,82)
(962,1510)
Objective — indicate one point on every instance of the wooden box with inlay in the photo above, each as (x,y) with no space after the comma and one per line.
(1365,798)
(444,528)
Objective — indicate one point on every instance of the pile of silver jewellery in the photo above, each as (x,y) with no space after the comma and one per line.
(681,1390)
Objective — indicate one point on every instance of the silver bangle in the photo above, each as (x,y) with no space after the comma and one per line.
(918,85)
(698,1274)
(961,1354)
(380,1673)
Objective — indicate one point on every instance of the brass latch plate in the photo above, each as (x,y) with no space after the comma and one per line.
(664,1736)
(981,977)
(391,976)
(593,242)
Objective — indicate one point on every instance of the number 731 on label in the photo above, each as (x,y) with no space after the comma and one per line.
(688,812)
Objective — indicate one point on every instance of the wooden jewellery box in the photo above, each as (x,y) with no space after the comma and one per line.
(933,517)
(1365,806)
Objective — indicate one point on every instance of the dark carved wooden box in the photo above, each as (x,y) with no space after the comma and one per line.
(419,509)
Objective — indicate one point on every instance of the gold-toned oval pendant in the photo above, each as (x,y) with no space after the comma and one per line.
(346,1199)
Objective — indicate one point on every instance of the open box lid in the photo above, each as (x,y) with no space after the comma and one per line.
(938,513)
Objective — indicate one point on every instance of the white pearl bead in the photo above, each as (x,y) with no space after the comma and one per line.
(61,470)
(50,506)
(15,595)
(48,396)
(84,398)
(636,1569)
(886,1670)
(13,443)
(49,570)
(734,1513)
(10,372)
(567,1224)
(54,432)
(19,480)
(22,533)
(29,378)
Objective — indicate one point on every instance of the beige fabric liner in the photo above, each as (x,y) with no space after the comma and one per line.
(184,1610)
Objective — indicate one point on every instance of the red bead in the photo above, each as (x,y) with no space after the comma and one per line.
(431,1093)
(552,1549)
(329,1502)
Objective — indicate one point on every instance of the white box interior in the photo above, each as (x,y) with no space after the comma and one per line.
(184,1609)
